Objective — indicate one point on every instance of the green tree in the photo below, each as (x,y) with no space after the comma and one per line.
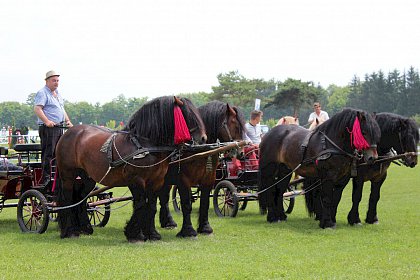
(235,88)
(296,94)
(412,93)
(15,114)
(81,112)
(338,98)
(198,99)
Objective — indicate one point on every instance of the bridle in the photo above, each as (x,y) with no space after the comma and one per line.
(225,126)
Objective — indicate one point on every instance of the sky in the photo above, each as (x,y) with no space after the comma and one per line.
(161,47)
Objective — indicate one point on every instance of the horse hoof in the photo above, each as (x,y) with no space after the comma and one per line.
(74,235)
(170,226)
(206,229)
(187,233)
(135,241)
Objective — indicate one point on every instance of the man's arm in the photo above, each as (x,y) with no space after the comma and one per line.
(67,119)
(40,114)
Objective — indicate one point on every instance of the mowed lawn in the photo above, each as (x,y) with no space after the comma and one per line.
(245,247)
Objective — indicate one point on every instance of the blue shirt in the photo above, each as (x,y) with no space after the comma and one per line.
(53,107)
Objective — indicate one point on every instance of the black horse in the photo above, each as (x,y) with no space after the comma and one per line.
(398,133)
(327,153)
(138,156)
(223,123)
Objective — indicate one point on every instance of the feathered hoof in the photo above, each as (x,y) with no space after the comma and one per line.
(170,224)
(135,241)
(187,232)
(70,235)
(154,236)
(327,225)
(86,230)
(205,229)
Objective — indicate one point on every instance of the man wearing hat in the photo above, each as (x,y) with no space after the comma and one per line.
(49,108)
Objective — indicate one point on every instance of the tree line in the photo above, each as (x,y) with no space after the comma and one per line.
(395,92)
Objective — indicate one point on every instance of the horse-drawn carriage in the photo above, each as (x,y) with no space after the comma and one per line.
(236,185)
(21,180)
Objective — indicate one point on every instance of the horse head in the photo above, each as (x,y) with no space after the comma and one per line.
(166,120)
(288,120)
(193,120)
(365,135)
(315,123)
(409,141)
(399,133)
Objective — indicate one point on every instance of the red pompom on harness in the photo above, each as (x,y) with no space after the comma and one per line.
(182,134)
(356,137)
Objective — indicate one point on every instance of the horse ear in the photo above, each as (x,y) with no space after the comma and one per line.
(284,120)
(361,116)
(230,110)
(178,101)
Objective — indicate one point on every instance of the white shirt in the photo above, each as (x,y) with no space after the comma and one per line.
(253,132)
(322,117)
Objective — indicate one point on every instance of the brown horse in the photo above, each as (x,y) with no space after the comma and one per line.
(223,123)
(326,153)
(137,156)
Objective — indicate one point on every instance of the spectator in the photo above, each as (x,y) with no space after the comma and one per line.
(253,128)
(322,116)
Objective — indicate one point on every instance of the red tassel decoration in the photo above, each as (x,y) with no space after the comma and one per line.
(359,142)
(182,134)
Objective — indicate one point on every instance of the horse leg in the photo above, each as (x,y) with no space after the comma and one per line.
(279,206)
(353,216)
(81,210)
(375,195)
(67,220)
(151,233)
(327,205)
(165,217)
(187,229)
(133,230)
(203,219)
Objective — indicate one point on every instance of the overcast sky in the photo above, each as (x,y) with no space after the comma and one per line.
(162,47)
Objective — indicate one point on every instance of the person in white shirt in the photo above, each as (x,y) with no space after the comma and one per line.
(253,127)
(322,116)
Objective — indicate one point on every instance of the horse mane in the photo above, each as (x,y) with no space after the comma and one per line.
(342,123)
(154,121)
(389,122)
(392,123)
(213,115)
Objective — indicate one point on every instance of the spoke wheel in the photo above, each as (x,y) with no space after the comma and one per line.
(225,201)
(289,202)
(98,215)
(176,199)
(32,212)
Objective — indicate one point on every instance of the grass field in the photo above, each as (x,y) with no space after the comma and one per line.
(245,247)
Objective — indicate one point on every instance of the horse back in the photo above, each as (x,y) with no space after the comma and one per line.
(283,145)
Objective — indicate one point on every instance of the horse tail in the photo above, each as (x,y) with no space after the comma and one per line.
(311,197)
(266,177)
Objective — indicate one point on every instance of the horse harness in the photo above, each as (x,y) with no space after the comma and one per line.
(139,153)
(326,153)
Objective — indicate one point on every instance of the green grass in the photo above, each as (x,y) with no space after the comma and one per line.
(245,247)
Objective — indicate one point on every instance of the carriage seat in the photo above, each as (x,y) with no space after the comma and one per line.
(27,147)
